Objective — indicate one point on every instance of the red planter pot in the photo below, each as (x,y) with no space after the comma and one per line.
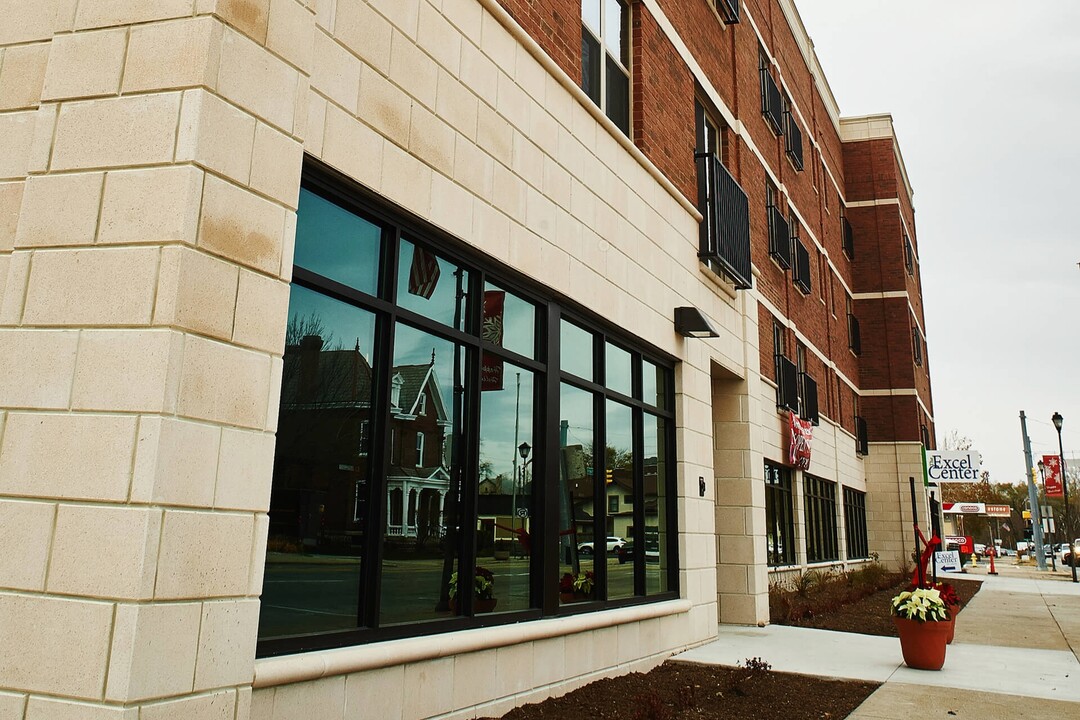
(923,643)
(953,609)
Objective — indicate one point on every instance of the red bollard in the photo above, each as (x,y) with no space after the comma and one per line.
(992,552)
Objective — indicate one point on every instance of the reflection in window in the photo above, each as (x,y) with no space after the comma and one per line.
(617,369)
(509,321)
(353,546)
(431,286)
(619,479)
(504,529)
(779,515)
(420,557)
(656,505)
(318,500)
(577,549)
(336,243)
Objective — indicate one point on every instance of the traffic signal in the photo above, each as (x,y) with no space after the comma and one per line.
(608,476)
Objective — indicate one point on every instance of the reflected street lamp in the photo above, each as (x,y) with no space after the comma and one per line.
(1057,420)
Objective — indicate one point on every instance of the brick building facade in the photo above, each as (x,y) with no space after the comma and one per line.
(316,313)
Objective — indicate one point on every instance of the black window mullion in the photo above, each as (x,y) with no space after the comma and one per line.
(599,470)
(548,592)
(470,451)
(639,535)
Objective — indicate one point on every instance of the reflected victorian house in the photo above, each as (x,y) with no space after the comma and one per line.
(322,466)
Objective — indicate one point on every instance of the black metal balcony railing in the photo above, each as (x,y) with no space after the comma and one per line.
(725,232)
(809,401)
(794,140)
(729,11)
(854,337)
(772,103)
(787,384)
(801,274)
(849,238)
(779,237)
(862,440)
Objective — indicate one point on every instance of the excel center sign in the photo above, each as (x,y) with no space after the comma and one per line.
(951,466)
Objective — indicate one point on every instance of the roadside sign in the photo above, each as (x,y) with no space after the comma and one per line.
(964,508)
(523,512)
(951,466)
(1049,527)
(1000,511)
(947,561)
(1052,465)
(965,543)
(1026,514)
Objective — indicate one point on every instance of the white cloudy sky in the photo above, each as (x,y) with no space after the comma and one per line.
(985,97)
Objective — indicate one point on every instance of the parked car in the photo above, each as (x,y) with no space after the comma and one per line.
(1065,555)
(613,544)
(626,553)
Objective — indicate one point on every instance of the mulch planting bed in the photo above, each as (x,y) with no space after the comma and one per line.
(870,615)
(686,691)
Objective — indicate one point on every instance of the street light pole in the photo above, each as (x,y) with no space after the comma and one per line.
(1057,419)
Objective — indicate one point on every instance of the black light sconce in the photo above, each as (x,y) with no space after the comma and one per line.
(689,322)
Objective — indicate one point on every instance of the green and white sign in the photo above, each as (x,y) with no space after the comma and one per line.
(951,466)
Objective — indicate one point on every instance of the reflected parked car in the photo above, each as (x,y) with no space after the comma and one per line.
(613,544)
(626,553)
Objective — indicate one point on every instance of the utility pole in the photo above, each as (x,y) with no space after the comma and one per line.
(1033,497)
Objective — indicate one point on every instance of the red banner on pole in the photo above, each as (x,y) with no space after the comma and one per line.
(491,330)
(802,432)
(1053,482)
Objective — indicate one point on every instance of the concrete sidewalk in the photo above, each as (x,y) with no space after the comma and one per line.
(1014,655)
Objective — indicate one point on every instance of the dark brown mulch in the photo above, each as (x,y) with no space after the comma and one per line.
(685,691)
(870,615)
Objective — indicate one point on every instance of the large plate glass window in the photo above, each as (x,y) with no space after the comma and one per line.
(429,463)
(779,515)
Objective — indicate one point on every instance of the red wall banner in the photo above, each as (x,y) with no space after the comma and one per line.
(491,329)
(802,432)
(1052,468)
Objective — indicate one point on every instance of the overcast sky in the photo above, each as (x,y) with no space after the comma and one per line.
(985,98)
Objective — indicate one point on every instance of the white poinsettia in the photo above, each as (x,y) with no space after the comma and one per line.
(922,604)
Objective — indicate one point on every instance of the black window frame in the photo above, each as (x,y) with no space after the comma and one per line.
(862,436)
(917,346)
(724,231)
(819,514)
(848,235)
(793,144)
(779,231)
(772,102)
(856,538)
(801,275)
(397,223)
(779,516)
(909,256)
(728,10)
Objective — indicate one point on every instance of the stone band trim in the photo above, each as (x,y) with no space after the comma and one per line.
(303,667)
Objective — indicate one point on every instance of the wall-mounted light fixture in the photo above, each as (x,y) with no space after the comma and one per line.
(689,322)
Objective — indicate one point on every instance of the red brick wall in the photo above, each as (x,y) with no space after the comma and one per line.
(555,25)
(663,103)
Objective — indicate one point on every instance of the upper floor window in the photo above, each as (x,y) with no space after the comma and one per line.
(917,345)
(728,9)
(419,449)
(779,233)
(793,145)
(725,225)
(605,58)
(772,102)
(909,256)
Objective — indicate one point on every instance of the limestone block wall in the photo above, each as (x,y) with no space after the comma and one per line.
(888,500)
(148,179)
(148,185)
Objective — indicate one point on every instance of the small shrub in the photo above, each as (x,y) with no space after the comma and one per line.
(651,707)
(752,668)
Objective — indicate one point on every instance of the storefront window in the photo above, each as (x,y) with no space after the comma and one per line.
(422,440)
